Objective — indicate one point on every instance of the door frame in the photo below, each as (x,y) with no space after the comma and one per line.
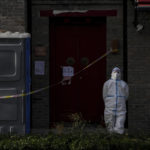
(77,13)
(70,14)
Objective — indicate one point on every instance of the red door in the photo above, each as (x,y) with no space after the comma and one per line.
(80,40)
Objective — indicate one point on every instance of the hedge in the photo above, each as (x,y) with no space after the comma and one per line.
(75,140)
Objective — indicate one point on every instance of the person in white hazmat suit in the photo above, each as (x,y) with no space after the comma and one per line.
(115,94)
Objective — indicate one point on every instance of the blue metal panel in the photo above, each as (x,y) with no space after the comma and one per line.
(27,84)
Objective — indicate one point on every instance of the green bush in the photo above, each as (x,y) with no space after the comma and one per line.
(75,138)
(75,141)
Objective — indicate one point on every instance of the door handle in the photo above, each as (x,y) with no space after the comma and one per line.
(84,61)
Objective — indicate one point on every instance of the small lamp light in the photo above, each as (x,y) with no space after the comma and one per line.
(139,27)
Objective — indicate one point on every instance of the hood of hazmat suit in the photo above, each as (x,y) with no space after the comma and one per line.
(115,94)
(116,74)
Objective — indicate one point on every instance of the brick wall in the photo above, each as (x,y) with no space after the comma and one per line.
(12,15)
(40,35)
(139,72)
(40,101)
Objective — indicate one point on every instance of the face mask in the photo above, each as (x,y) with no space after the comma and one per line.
(115,75)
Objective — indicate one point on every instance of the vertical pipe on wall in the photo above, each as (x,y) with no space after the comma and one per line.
(29,30)
(125,50)
(28,82)
(28,16)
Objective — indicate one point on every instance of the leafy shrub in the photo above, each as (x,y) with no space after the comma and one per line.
(75,141)
(76,138)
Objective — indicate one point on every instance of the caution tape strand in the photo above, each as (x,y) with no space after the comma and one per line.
(56,84)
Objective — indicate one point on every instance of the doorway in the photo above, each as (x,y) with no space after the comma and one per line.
(76,42)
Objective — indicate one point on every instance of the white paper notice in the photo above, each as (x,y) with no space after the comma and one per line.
(68,71)
(39,67)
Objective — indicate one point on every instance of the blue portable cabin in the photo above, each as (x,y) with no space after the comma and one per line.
(14,79)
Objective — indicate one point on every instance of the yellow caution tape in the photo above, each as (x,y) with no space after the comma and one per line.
(47,87)
(24,94)
(95,61)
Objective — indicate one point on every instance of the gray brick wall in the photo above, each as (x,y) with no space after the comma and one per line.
(115,32)
(40,35)
(139,72)
(40,101)
(12,15)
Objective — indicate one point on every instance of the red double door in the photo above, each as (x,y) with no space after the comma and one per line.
(77,42)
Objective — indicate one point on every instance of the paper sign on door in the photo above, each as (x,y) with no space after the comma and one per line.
(67,73)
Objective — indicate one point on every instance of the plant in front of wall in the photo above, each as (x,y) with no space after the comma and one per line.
(60,142)
(59,128)
(88,140)
(84,142)
(78,123)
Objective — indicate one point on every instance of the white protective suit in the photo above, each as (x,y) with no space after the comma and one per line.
(115,94)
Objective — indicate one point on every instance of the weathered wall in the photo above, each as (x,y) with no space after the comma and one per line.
(139,72)
(12,15)
(40,35)
(40,101)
